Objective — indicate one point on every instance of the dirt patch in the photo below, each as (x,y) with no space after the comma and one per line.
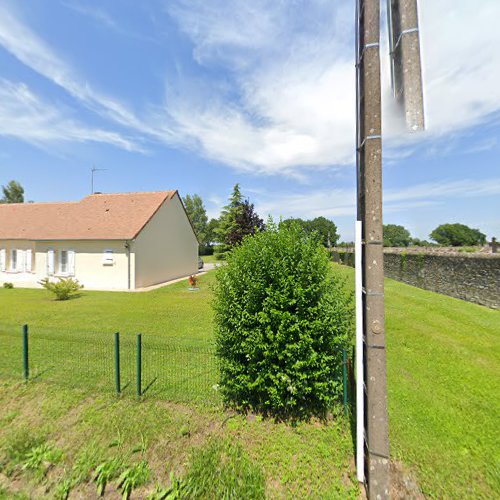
(403,483)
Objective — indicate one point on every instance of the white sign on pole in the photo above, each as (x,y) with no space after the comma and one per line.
(360,399)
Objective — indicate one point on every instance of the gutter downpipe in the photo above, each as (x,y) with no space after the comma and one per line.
(127,246)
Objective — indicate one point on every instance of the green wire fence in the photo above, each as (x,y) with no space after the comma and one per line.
(172,369)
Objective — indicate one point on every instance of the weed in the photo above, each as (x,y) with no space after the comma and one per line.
(63,489)
(84,464)
(142,446)
(40,458)
(135,476)
(176,491)
(118,441)
(106,472)
(222,469)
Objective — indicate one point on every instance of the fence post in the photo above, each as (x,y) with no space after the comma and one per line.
(139,364)
(344,379)
(117,363)
(26,366)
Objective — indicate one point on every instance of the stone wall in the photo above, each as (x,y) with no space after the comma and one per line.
(475,278)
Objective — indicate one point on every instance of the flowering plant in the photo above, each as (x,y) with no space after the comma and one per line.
(193,280)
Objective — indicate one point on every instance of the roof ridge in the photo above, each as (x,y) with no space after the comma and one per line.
(131,192)
(31,203)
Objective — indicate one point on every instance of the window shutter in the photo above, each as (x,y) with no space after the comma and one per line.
(2,259)
(21,262)
(71,262)
(29,260)
(50,262)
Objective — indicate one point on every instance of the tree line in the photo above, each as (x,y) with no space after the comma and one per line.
(238,219)
(450,235)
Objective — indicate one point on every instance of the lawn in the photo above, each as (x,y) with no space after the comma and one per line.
(443,372)
(87,427)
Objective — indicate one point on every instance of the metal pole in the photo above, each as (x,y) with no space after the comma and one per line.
(117,363)
(26,367)
(369,189)
(139,364)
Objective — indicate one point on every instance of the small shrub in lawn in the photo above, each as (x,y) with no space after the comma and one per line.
(282,315)
(8,285)
(62,289)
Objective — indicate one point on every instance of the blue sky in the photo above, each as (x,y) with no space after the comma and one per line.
(198,95)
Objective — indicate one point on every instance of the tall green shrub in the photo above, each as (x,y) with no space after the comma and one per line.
(282,315)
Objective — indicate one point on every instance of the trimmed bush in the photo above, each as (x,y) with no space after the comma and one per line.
(282,317)
(8,285)
(63,289)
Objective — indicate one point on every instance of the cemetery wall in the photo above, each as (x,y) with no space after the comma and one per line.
(475,278)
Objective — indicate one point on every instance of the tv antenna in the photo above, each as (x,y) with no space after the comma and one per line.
(92,170)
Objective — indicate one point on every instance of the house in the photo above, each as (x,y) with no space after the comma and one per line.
(120,241)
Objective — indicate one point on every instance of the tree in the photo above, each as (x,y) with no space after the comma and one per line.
(457,235)
(325,228)
(13,192)
(237,220)
(282,317)
(198,216)
(210,237)
(396,236)
(247,222)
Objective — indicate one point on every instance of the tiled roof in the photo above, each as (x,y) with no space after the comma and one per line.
(117,216)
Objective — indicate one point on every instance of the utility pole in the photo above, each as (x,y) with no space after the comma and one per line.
(369,189)
(92,170)
(404,42)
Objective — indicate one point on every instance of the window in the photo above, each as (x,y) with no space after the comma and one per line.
(63,262)
(17,262)
(67,262)
(107,258)
(13,260)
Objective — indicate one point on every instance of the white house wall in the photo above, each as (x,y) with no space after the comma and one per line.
(89,266)
(166,248)
(17,277)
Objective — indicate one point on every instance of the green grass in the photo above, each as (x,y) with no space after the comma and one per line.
(444,391)
(171,434)
(443,368)
(71,342)
(209,259)
(443,373)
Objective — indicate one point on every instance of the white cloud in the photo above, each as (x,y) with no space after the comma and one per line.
(276,95)
(295,105)
(24,116)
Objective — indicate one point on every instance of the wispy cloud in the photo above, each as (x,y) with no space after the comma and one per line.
(274,92)
(294,108)
(342,202)
(22,42)
(25,116)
